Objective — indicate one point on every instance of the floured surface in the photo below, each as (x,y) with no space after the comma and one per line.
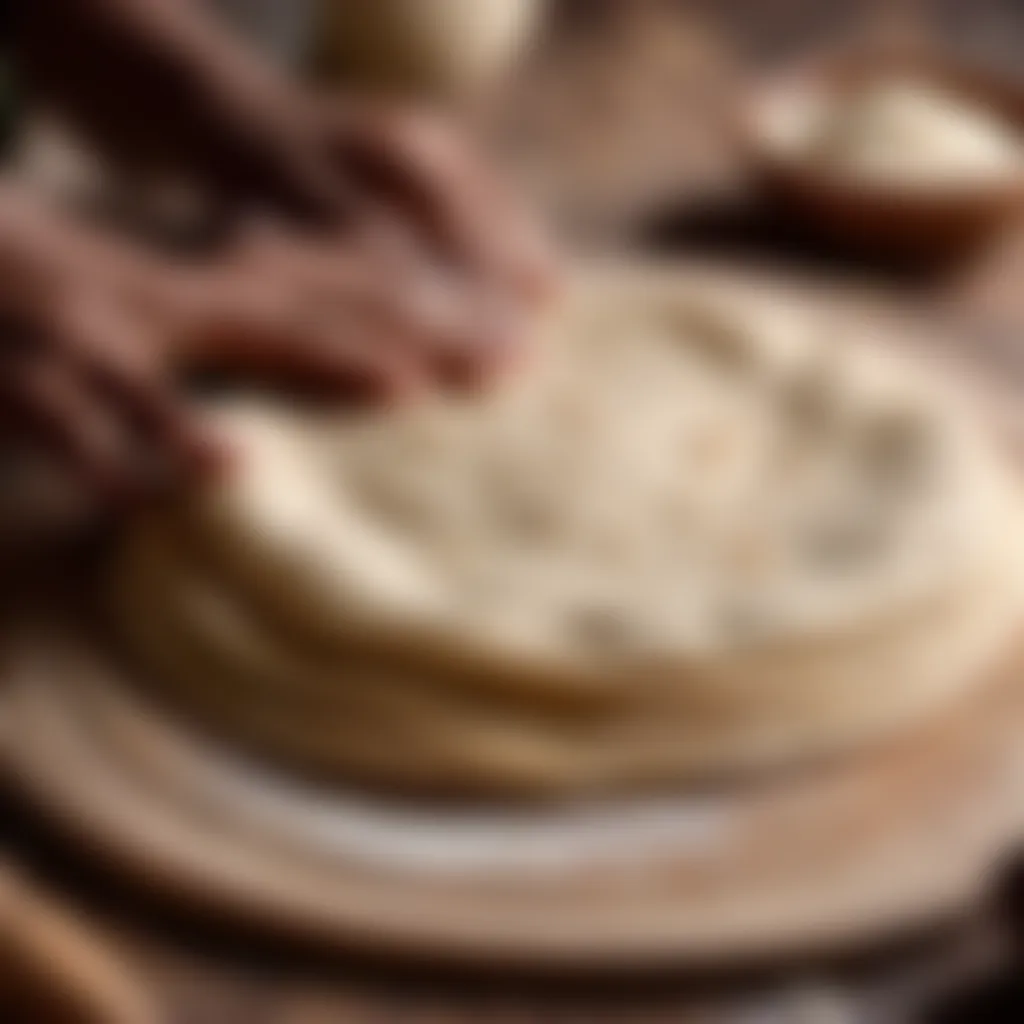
(705,531)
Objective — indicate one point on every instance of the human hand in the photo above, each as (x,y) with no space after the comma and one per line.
(157,84)
(96,336)
(347,314)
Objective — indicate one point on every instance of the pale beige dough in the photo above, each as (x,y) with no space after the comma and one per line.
(898,132)
(703,533)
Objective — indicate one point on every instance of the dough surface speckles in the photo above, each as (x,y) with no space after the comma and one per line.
(705,531)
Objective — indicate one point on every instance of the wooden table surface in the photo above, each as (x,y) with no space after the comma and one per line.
(619,128)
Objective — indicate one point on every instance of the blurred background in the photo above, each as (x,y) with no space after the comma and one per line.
(622,120)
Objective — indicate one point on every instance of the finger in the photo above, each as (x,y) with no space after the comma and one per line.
(344,277)
(455,338)
(340,358)
(266,259)
(454,334)
(276,276)
(165,430)
(371,261)
(381,237)
(414,169)
(491,344)
(286,301)
(57,410)
(112,354)
(417,313)
(419,166)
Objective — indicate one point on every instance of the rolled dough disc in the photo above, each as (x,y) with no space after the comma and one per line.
(707,531)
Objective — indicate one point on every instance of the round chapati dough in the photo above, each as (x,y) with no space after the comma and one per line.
(704,532)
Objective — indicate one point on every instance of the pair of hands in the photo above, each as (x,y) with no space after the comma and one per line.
(419,270)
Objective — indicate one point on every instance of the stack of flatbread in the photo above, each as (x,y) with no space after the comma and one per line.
(703,532)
